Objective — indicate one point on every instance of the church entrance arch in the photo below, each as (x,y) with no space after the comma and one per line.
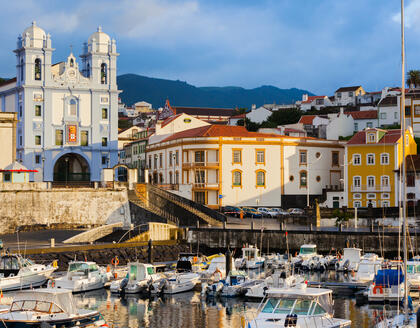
(71,167)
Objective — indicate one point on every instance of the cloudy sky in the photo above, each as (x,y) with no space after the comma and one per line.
(313,45)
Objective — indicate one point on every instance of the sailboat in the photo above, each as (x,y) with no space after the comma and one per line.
(406,319)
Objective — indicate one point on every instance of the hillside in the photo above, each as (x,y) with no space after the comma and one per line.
(156,91)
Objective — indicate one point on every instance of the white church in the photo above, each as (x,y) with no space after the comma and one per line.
(68,113)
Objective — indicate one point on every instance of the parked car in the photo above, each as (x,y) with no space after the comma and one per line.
(280,211)
(251,212)
(232,211)
(296,211)
(268,212)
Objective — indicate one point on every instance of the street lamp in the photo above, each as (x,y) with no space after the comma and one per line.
(308,165)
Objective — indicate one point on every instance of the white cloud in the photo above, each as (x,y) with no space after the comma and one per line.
(411,15)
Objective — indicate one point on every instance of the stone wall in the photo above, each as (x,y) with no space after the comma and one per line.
(66,207)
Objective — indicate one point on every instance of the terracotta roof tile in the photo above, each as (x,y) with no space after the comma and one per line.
(307,119)
(363,114)
(312,98)
(390,137)
(219,131)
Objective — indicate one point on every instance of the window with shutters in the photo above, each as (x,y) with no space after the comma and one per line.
(303,156)
(260,156)
(237,178)
(260,178)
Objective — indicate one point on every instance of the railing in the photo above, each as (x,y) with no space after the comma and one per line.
(334,188)
(169,186)
(200,210)
(205,185)
(368,188)
(193,165)
(73,184)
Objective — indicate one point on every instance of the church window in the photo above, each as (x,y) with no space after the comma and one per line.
(21,70)
(38,69)
(71,62)
(58,137)
(88,70)
(73,107)
(38,140)
(104,113)
(37,110)
(104,142)
(103,74)
(84,138)
(104,160)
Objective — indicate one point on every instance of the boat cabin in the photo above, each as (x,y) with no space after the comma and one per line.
(140,271)
(82,268)
(250,253)
(236,277)
(299,301)
(308,249)
(185,262)
(352,254)
(11,264)
(48,300)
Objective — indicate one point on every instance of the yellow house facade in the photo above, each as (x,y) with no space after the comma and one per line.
(372,159)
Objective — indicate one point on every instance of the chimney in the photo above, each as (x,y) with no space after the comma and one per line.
(253,106)
(305,97)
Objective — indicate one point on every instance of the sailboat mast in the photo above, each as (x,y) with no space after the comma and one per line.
(403,171)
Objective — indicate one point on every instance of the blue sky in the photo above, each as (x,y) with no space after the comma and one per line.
(317,45)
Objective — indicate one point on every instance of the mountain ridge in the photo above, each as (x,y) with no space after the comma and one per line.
(155,91)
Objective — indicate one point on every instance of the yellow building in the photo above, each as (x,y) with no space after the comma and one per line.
(372,159)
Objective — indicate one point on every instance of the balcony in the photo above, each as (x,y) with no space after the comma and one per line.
(368,188)
(212,186)
(200,165)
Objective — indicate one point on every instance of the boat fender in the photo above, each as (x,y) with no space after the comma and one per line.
(108,268)
(381,290)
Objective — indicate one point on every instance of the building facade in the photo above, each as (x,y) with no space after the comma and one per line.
(372,160)
(228,165)
(68,113)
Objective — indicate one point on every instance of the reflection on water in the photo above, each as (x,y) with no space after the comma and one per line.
(189,310)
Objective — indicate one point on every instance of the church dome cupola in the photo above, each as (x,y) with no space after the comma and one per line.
(34,36)
(99,41)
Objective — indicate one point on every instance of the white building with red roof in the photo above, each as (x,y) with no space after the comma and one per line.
(220,165)
(317,102)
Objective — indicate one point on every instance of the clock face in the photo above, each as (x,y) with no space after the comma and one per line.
(71,73)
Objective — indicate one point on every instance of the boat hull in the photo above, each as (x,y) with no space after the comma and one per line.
(34,279)
(85,321)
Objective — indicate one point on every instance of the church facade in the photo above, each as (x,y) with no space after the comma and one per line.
(67,112)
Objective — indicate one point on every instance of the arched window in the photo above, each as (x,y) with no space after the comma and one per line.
(237,178)
(38,71)
(303,179)
(71,62)
(88,70)
(72,107)
(260,178)
(21,70)
(103,74)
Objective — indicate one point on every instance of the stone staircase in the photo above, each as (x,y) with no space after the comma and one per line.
(182,203)
(138,197)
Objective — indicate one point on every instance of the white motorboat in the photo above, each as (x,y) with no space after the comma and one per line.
(366,272)
(82,276)
(216,269)
(299,306)
(139,276)
(250,259)
(387,286)
(350,260)
(180,282)
(273,281)
(306,252)
(48,307)
(276,261)
(17,273)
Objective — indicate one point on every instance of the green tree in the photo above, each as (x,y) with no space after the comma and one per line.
(413,78)
(284,116)
(250,126)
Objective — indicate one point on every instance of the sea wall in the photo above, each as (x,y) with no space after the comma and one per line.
(64,207)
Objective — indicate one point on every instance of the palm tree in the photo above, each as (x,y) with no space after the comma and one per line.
(413,78)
